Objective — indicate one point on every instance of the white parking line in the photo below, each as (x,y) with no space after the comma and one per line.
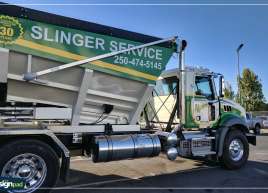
(262,153)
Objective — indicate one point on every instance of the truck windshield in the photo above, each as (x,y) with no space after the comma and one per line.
(166,86)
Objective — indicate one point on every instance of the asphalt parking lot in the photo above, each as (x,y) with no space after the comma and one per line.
(161,175)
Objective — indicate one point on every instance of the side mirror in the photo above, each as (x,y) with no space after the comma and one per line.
(198,92)
(221,86)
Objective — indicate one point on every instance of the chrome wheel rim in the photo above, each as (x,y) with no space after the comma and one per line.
(29,167)
(236,149)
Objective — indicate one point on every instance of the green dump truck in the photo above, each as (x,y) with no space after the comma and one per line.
(68,85)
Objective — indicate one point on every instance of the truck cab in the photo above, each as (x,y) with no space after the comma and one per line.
(203,103)
(209,123)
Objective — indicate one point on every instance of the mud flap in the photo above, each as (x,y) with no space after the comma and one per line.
(251,138)
(3,93)
(64,169)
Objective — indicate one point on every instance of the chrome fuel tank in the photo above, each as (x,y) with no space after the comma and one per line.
(118,147)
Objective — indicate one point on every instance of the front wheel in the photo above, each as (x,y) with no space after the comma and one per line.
(236,150)
(33,161)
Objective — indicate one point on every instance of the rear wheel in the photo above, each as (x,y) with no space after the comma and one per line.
(236,150)
(33,161)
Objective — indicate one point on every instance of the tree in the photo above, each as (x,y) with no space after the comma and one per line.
(263,107)
(250,90)
(228,91)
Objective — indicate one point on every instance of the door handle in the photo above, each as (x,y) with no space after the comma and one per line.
(198,118)
(212,113)
(212,102)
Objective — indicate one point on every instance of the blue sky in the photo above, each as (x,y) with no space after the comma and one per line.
(213,32)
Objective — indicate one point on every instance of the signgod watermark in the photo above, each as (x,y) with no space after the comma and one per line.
(11,183)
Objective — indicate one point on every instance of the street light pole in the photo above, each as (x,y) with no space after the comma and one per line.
(238,70)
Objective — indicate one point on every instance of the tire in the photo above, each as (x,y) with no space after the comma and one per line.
(39,165)
(257,130)
(231,159)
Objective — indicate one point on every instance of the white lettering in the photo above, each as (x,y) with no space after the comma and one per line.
(78,40)
(65,38)
(132,51)
(57,36)
(92,42)
(100,43)
(140,51)
(151,53)
(89,43)
(122,46)
(158,54)
(36,32)
(46,36)
(113,46)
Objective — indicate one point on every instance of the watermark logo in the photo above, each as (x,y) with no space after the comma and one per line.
(10,29)
(11,184)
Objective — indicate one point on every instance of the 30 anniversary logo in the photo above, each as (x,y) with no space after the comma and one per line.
(10,29)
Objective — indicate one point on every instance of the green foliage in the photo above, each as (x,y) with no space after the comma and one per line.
(250,91)
(229,93)
(263,107)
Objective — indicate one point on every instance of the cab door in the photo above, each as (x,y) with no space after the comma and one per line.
(205,104)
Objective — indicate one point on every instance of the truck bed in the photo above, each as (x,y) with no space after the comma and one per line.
(42,40)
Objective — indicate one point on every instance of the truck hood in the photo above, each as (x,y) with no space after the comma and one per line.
(235,106)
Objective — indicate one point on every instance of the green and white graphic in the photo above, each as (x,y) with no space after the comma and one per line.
(10,30)
(68,45)
(201,108)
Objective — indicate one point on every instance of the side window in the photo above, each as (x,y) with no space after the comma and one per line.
(204,87)
(247,116)
(166,86)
